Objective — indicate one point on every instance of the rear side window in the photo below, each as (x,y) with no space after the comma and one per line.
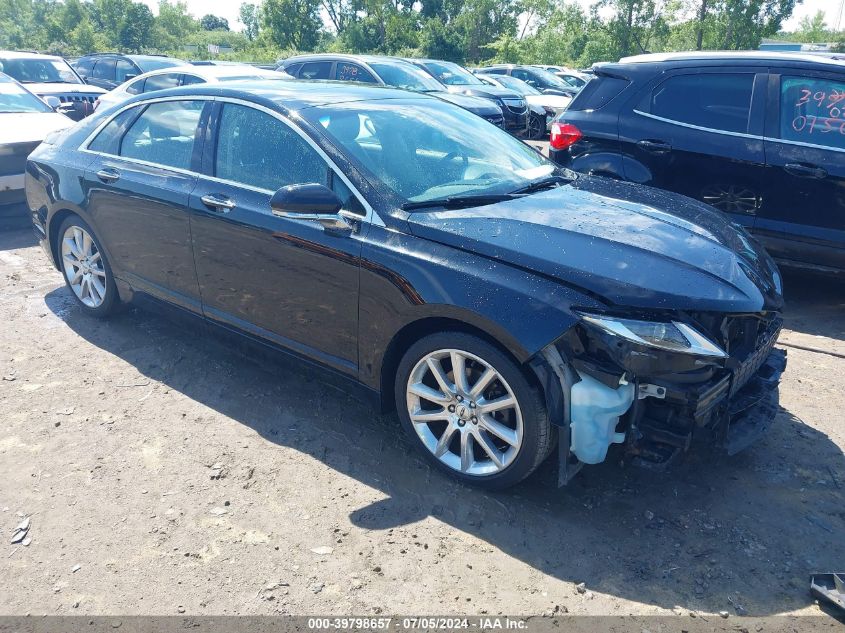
(256,149)
(315,70)
(164,134)
(598,92)
(715,101)
(812,110)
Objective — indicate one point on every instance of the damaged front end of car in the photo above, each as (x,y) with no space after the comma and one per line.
(660,384)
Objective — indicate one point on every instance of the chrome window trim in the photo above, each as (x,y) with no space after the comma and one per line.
(370,216)
(698,127)
(824,148)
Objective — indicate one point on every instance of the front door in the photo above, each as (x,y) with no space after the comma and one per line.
(802,220)
(700,133)
(138,187)
(285,281)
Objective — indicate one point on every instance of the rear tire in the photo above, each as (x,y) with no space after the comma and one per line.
(485,424)
(86,268)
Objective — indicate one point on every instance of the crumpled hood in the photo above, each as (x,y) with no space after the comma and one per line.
(630,245)
(478,105)
(29,127)
(63,89)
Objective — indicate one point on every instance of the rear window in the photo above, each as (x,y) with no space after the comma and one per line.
(598,92)
(715,101)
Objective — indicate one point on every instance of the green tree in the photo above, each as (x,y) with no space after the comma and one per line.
(214,23)
(813,29)
(135,33)
(438,41)
(292,24)
(250,19)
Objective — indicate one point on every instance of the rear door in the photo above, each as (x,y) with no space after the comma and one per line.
(802,219)
(699,132)
(284,281)
(138,187)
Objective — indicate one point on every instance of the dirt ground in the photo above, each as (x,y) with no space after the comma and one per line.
(165,473)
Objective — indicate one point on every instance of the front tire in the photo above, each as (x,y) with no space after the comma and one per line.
(471,410)
(85,268)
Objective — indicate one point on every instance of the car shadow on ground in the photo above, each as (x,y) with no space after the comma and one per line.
(11,240)
(815,304)
(745,531)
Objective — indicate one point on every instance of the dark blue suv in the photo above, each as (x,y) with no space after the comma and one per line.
(760,136)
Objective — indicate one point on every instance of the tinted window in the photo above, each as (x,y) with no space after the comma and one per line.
(188,80)
(164,134)
(406,76)
(257,149)
(812,110)
(352,72)
(108,140)
(124,69)
(161,82)
(719,102)
(104,69)
(293,69)
(136,87)
(599,92)
(315,70)
(147,64)
(84,66)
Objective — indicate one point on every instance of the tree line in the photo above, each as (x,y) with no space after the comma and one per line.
(467,31)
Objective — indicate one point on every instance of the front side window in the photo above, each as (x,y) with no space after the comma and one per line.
(147,64)
(812,110)
(161,82)
(346,71)
(315,70)
(259,150)
(104,69)
(715,101)
(164,134)
(425,149)
(124,69)
(84,66)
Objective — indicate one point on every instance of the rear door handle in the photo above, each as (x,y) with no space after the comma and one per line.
(805,171)
(654,147)
(107,174)
(221,204)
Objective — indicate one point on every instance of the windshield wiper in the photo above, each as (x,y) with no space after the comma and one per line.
(459,202)
(544,183)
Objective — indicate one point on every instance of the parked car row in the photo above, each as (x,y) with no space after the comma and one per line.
(759,136)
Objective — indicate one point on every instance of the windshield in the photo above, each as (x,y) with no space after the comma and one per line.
(452,75)
(39,70)
(13,98)
(406,76)
(426,149)
(147,65)
(518,85)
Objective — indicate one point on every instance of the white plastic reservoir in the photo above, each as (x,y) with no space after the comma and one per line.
(594,412)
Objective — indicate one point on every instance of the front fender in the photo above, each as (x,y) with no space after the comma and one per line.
(408,281)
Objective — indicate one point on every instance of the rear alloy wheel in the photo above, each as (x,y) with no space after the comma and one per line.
(86,270)
(471,410)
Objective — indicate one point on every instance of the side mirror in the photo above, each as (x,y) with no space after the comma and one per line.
(129,76)
(310,202)
(53,102)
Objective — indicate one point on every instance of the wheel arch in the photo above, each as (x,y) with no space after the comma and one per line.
(412,332)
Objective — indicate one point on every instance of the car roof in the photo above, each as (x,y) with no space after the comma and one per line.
(345,56)
(291,94)
(212,72)
(26,55)
(732,56)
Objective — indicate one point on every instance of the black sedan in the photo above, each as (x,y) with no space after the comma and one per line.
(500,303)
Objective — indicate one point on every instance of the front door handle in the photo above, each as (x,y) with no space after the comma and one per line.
(654,147)
(805,171)
(221,204)
(107,174)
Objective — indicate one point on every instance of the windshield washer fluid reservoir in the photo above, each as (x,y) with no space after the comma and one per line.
(594,413)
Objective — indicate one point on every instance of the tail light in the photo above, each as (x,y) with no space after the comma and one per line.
(564,135)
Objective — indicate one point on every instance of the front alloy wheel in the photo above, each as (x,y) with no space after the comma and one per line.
(536,127)
(471,410)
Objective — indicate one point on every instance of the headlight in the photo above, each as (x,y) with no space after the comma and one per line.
(669,335)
